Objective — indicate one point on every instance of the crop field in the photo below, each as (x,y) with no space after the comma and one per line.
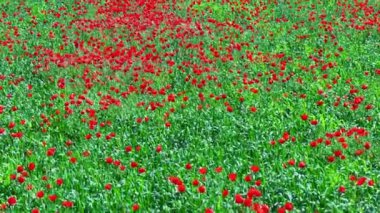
(190,106)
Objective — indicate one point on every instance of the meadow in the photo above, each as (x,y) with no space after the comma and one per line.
(189,106)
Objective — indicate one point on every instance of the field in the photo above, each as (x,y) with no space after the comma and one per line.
(189,106)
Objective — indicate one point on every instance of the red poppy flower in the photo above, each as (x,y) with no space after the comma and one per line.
(12,201)
(359,152)
(367,145)
(181,188)
(29,187)
(141,170)
(218,169)
(12,176)
(50,151)
(338,153)
(247,202)
(67,204)
(40,194)
(20,168)
(304,117)
(135,207)
(17,135)
(253,192)
(288,206)
(371,183)
(134,164)
(291,162)
(35,210)
(158,148)
(258,183)
(301,164)
(342,189)
(116,163)
(232,177)
(361,181)
(188,166)
(108,186)
(202,189)
(314,122)
(128,148)
(239,199)
(73,160)
(281,210)
(255,168)
(109,160)
(208,210)
(203,170)
(330,159)
(21,179)
(59,181)
(3,206)
(229,108)
(195,182)
(52,197)
(11,125)
(225,193)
